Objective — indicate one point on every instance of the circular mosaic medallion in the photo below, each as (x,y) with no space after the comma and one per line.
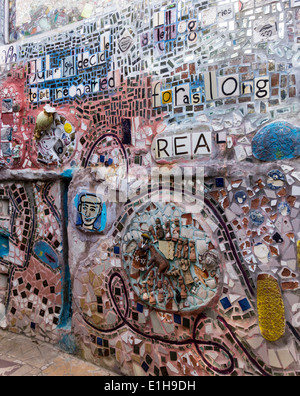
(170,260)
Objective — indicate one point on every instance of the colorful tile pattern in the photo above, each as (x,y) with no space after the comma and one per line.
(94,118)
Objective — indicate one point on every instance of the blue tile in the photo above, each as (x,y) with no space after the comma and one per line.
(139,307)
(99,341)
(4,245)
(177,319)
(219,182)
(117,249)
(244,304)
(225,302)
(145,366)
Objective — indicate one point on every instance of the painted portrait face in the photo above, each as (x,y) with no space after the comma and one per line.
(90,208)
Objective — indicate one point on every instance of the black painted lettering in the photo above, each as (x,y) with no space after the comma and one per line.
(232,90)
(178,146)
(162,145)
(202,142)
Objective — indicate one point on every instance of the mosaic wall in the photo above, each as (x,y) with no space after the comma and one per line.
(35,16)
(151,284)
(1,21)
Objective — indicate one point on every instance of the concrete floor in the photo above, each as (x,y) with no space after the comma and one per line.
(23,356)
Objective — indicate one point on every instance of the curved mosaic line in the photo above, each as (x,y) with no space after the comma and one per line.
(193,340)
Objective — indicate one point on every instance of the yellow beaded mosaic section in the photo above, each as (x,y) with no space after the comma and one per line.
(270,307)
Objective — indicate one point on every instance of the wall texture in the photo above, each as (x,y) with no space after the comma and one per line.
(2,22)
(99,254)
